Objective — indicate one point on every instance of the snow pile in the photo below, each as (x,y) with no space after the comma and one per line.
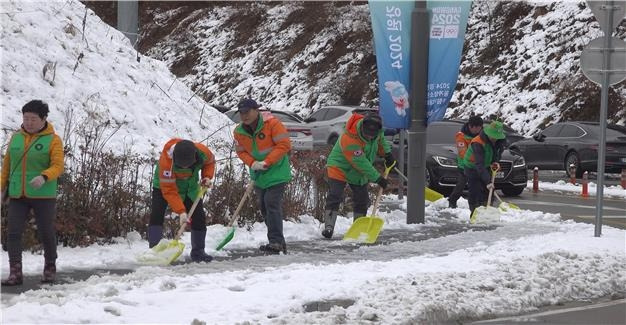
(91,76)
(530,260)
(614,191)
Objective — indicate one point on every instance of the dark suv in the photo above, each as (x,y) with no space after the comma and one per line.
(441,168)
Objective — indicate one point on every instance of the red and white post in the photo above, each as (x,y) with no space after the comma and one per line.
(535,180)
(623,180)
(585,192)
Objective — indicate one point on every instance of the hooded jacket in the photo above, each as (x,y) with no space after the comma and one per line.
(352,156)
(178,183)
(463,139)
(481,154)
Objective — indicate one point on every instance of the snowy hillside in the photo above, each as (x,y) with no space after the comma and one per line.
(90,75)
(520,60)
(522,63)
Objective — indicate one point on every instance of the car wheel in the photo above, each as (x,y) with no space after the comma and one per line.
(431,182)
(513,191)
(333,139)
(572,158)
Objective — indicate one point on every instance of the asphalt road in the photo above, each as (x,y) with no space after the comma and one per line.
(610,312)
(573,206)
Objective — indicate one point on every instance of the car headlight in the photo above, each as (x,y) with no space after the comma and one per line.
(519,162)
(445,161)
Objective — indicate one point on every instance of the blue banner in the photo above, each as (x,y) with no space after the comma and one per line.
(447,34)
(391,25)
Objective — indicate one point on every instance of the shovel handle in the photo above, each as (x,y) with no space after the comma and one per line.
(241,202)
(380,190)
(190,213)
(406,179)
(493,180)
(498,197)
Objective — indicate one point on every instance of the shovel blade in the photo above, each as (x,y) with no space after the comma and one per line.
(432,195)
(365,229)
(229,236)
(505,206)
(485,215)
(164,253)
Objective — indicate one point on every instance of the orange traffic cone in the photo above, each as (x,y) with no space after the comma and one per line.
(585,192)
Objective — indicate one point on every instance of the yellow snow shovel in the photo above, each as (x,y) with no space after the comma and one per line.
(167,251)
(486,214)
(429,195)
(231,233)
(505,206)
(366,229)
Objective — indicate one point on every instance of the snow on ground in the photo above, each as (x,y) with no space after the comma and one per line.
(531,259)
(614,191)
(89,74)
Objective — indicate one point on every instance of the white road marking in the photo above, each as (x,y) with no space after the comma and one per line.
(553,312)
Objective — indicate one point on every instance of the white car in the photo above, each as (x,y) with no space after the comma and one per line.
(328,122)
(299,132)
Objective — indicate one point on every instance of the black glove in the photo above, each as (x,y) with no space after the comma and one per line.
(382,182)
(389,160)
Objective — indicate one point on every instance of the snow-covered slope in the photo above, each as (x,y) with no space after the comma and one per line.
(90,75)
(520,61)
(522,64)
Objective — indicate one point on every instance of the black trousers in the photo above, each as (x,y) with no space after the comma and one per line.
(271,203)
(477,190)
(461,180)
(360,197)
(45,215)
(159,204)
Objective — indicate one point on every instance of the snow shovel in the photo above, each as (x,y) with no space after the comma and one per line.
(231,233)
(429,195)
(505,206)
(486,214)
(167,251)
(366,229)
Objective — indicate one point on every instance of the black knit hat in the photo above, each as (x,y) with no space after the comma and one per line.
(372,123)
(36,106)
(184,153)
(475,120)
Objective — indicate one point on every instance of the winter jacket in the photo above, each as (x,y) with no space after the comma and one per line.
(31,155)
(270,143)
(463,139)
(352,156)
(481,154)
(178,183)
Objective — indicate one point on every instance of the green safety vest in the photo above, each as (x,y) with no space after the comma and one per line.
(24,167)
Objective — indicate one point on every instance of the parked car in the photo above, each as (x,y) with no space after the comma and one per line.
(299,132)
(328,122)
(565,143)
(441,160)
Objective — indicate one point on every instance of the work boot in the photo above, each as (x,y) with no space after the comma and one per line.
(155,233)
(49,272)
(197,247)
(15,276)
(330,217)
(274,248)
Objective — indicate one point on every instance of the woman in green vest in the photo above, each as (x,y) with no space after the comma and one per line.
(30,168)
